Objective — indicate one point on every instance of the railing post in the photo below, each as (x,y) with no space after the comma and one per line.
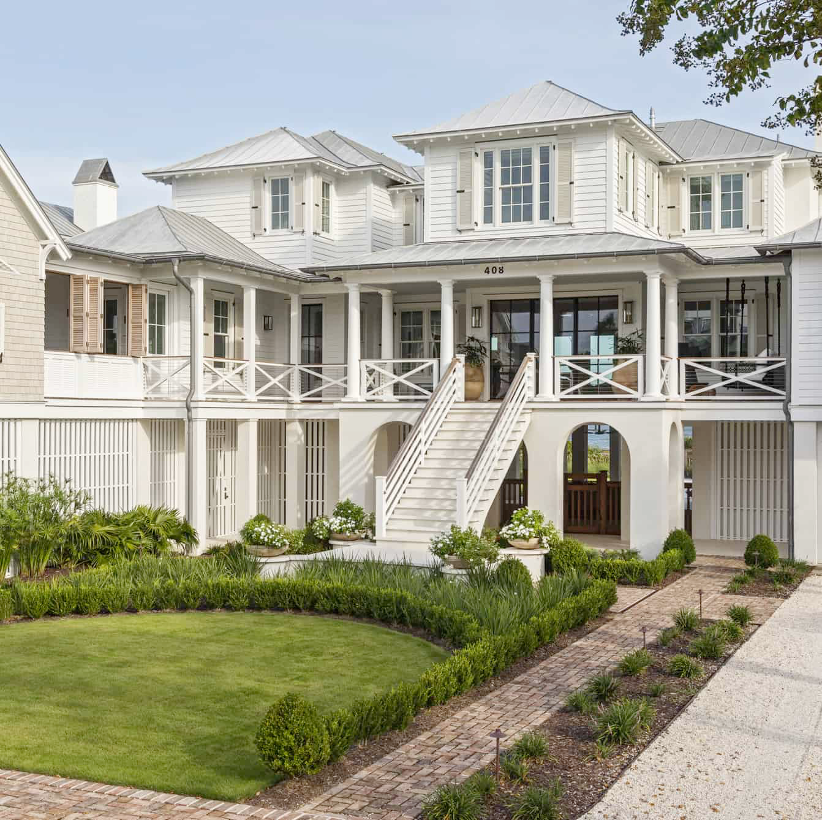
(462,502)
(379,505)
(250,341)
(680,363)
(652,336)
(459,375)
(197,341)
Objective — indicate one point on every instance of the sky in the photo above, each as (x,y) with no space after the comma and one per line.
(151,83)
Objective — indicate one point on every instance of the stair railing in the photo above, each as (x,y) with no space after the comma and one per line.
(390,488)
(470,487)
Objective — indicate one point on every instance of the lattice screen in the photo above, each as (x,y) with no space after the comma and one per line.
(271,459)
(165,436)
(8,447)
(221,461)
(315,469)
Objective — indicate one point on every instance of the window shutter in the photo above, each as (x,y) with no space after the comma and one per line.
(208,325)
(94,315)
(409,210)
(137,320)
(622,163)
(465,190)
(565,182)
(317,222)
(635,181)
(298,195)
(756,186)
(257,189)
(650,194)
(77,314)
(674,186)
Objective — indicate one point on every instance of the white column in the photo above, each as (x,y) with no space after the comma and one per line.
(546,338)
(197,340)
(28,452)
(672,333)
(446,324)
(198,474)
(294,474)
(246,470)
(294,342)
(353,358)
(387,325)
(652,339)
(250,339)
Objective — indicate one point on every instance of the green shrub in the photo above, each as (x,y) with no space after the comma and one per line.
(483,783)
(6,604)
(514,768)
(536,803)
(733,586)
(453,802)
(115,596)
(635,663)
(31,600)
(511,573)
(669,634)
(466,545)
(783,576)
(142,597)
(624,720)
(581,701)
(686,620)
(681,666)
(293,738)
(341,730)
(89,597)
(239,594)
(656,690)
(741,615)
(710,644)
(602,687)
(568,555)
(731,630)
(530,746)
(680,540)
(761,552)
(62,600)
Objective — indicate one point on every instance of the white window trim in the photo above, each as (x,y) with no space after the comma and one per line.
(479,169)
(268,210)
(329,234)
(172,329)
(716,308)
(428,340)
(716,206)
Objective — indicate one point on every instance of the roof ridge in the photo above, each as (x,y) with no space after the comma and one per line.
(583,96)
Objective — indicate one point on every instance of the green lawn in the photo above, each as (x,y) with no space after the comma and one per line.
(172,701)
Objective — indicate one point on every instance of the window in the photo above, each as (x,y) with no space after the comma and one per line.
(311,332)
(412,335)
(110,327)
(544,182)
(221,319)
(488,188)
(697,327)
(435,323)
(157,323)
(279,204)
(326,207)
(701,198)
(516,185)
(514,332)
(733,327)
(731,206)
(586,325)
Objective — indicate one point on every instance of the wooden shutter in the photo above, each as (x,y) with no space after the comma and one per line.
(257,194)
(77,314)
(137,320)
(674,186)
(650,194)
(298,195)
(94,315)
(409,212)
(465,190)
(565,182)
(622,163)
(208,324)
(317,222)
(635,182)
(756,211)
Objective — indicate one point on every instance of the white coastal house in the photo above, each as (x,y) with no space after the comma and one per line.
(285,334)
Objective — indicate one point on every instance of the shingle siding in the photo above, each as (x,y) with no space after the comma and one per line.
(21,372)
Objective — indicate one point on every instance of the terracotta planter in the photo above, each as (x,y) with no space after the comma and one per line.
(474,382)
(627,376)
(457,563)
(345,536)
(527,544)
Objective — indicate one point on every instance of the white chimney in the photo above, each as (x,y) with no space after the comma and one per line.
(95,194)
(652,118)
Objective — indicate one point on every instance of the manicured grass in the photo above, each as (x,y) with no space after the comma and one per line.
(172,701)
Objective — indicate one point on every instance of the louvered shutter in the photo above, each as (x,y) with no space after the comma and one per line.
(94,315)
(318,204)
(565,182)
(674,186)
(465,190)
(298,182)
(635,181)
(257,193)
(208,325)
(756,186)
(622,163)
(137,320)
(77,314)
(409,210)
(650,194)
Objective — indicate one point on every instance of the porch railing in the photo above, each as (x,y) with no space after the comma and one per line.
(224,377)
(166,377)
(760,377)
(298,382)
(667,370)
(398,379)
(599,377)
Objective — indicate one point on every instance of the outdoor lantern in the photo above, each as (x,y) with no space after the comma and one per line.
(268,323)
(628,313)
(476,316)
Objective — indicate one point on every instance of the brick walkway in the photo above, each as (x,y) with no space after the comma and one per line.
(393,787)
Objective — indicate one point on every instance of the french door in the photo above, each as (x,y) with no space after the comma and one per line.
(311,345)
(514,333)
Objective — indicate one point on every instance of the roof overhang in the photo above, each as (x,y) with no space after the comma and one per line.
(723,161)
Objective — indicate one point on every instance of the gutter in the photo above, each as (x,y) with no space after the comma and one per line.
(786,408)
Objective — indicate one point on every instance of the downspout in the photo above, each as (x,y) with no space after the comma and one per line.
(786,405)
(175,268)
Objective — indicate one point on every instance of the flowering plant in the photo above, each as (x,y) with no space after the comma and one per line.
(321,528)
(261,531)
(466,545)
(526,524)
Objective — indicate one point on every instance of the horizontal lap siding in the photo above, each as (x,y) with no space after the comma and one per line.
(806,351)
(349,217)
(382,219)
(625,222)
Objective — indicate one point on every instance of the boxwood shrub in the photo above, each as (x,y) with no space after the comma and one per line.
(761,552)
(680,540)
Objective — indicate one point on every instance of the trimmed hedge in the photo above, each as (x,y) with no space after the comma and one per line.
(637,571)
(761,552)
(6,604)
(680,540)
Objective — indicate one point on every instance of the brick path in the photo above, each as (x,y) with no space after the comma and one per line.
(393,787)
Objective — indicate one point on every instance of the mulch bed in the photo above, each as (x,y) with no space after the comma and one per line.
(762,585)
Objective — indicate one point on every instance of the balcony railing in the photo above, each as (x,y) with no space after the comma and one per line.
(728,378)
(398,379)
(599,377)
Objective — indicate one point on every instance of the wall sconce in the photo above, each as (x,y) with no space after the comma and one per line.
(268,323)
(627,313)
(476,316)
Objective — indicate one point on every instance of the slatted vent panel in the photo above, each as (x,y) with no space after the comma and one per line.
(8,447)
(165,435)
(221,467)
(315,469)
(282,461)
(270,473)
(752,470)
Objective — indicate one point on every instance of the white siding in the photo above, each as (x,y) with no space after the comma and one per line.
(625,222)
(777,224)
(801,196)
(806,333)
(350,227)
(272,345)
(382,219)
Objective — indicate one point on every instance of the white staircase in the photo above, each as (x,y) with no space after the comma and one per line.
(453,462)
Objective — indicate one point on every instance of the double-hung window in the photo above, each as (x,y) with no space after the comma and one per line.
(516,185)
(716,213)
(701,203)
(731,202)
(487,187)
(325,207)
(280,204)
(157,323)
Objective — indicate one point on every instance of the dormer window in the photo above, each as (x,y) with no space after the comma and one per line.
(701,203)
(727,212)
(731,203)
(280,213)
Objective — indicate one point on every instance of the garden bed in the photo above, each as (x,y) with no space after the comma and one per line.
(777,582)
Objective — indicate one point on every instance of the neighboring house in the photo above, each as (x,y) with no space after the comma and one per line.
(266,344)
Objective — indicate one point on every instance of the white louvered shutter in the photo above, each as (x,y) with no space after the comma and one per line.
(257,193)
(622,170)
(94,315)
(650,194)
(756,186)
(208,325)
(409,211)
(137,320)
(673,189)
(77,314)
(465,190)
(565,182)
(318,204)
(635,182)
(298,195)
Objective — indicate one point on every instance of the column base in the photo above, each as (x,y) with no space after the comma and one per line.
(545,397)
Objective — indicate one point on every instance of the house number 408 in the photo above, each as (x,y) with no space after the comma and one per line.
(492,270)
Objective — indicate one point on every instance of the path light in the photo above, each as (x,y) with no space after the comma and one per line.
(644,631)
(497,735)
(700,604)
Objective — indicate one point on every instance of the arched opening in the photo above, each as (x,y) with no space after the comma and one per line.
(513,493)
(390,438)
(676,471)
(596,486)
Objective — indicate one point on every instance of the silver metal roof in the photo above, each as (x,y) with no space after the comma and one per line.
(62,217)
(358,155)
(159,234)
(808,236)
(94,170)
(705,140)
(544,102)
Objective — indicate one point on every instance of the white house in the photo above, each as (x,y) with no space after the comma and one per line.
(285,334)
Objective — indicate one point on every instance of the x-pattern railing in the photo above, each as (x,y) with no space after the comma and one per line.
(165,376)
(713,378)
(224,376)
(584,376)
(402,379)
(667,369)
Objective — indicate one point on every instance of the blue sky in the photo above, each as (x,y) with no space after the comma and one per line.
(151,83)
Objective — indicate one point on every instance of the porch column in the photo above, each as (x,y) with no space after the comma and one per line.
(353,358)
(672,333)
(197,512)
(247,448)
(197,341)
(250,340)
(294,343)
(546,338)
(652,340)
(446,324)
(387,325)
(295,474)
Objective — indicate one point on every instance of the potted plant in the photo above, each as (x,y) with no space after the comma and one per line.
(347,522)
(475,353)
(631,345)
(265,538)
(524,529)
(464,548)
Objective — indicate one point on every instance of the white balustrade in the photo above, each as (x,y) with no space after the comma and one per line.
(667,371)
(732,378)
(599,377)
(398,379)
(91,376)
(166,377)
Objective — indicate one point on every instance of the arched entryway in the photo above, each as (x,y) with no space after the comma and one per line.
(389,438)
(513,493)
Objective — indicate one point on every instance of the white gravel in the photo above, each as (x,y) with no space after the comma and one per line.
(750,744)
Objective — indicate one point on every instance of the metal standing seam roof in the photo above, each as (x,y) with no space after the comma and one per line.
(62,217)
(159,234)
(94,170)
(705,140)
(808,236)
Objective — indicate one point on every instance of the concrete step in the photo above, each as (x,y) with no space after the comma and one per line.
(428,519)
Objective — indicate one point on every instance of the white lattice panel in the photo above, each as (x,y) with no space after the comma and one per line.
(316,461)
(165,436)
(221,458)
(8,447)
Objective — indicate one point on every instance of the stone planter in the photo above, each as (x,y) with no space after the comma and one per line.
(627,376)
(474,382)
(345,536)
(524,544)
(267,552)
(457,563)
